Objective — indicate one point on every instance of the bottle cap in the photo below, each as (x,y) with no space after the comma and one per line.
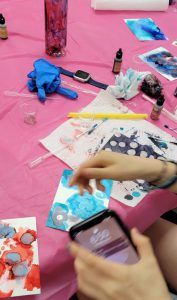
(160,100)
(119,53)
(2,19)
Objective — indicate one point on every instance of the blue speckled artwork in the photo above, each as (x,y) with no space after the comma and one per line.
(69,207)
(145,29)
(162,61)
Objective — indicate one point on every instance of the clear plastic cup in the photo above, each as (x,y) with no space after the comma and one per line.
(29,111)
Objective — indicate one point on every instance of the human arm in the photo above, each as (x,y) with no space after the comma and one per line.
(117,166)
(101,279)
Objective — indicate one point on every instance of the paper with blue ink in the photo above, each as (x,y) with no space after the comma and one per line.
(149,142)
(162,61)
(145,29)
(70,208)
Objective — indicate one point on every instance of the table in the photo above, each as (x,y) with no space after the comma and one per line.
(93,39)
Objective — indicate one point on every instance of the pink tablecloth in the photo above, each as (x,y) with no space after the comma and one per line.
(93,39)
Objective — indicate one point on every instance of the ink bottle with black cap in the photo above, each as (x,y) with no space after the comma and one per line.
(117,62)
(3,28)
(157,108)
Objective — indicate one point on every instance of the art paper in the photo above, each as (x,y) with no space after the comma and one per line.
(145,29)
(73,150)
(70,208)
(162,61)
(19,263)
(143,143)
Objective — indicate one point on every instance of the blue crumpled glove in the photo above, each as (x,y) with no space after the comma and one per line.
(45,79)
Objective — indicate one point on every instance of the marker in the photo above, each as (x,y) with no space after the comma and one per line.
(87,115)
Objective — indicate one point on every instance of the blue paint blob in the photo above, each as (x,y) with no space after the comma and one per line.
(12,258)
(27,238)
(85,207)
(6,231)
(136,194)
(20,270)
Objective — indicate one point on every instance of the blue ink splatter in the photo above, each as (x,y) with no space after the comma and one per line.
(6,231)
(85,206)
(136,194)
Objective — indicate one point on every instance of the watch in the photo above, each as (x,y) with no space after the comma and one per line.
(84,77)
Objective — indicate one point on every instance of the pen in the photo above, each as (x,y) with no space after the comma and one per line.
(88,115)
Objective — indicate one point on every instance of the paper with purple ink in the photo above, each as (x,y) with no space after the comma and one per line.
(162,61)
(19,263)
(145,29)
(70,208)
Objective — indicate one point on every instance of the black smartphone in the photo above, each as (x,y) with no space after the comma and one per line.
(106,235)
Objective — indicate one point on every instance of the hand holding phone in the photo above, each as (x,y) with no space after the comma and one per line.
(106,235)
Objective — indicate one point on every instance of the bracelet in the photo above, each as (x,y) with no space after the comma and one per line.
(163,171)
(169,182)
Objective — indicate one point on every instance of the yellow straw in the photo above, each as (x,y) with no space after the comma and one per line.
(88,115)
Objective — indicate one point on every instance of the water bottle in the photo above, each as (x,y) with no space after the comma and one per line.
(56,27)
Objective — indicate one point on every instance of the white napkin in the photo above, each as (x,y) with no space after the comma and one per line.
(126,86)
(149,5)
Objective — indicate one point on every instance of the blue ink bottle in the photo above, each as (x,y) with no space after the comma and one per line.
(157,108)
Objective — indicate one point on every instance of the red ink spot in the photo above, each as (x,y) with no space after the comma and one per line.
(6,242)
(33,278)
(2,248)
(2,268)
(5,295)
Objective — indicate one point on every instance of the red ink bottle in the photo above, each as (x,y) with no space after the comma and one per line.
(157,108)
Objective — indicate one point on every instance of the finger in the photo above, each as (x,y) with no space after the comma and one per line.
(142,243)
(41,94)
(89,189)
(32,75)
(81,189)
(94,162)
(99,185)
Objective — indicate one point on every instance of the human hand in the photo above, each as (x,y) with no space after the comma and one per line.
(116,166)
(101,279)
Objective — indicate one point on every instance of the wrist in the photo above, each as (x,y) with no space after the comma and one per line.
(159,171)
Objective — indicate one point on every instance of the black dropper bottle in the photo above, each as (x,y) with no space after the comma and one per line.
(157,108)
(2,19)
(117,62)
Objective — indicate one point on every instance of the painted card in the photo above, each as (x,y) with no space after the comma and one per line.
(162,61)
(70,208)
(19,263)
(143,143)
(145,29)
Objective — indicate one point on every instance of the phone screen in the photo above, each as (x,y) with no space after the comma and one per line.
(109,240)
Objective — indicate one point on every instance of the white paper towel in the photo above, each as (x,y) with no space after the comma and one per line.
(146,5)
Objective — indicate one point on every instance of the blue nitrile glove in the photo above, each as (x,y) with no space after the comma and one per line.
(45,79)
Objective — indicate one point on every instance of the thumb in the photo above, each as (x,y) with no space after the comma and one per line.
(41,94)
(142,243)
